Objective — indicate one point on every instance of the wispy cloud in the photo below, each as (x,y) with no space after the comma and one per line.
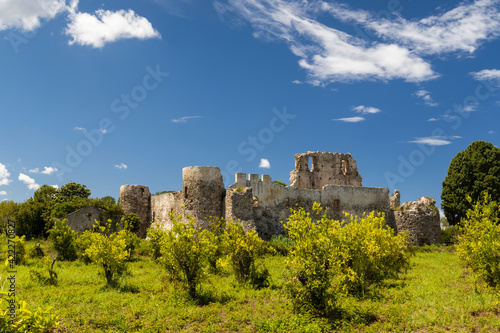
(45,171)
(3,192)
(28,181)
(106,26)
(184,119)
(77,128)
(264,163)
(327,54)
(4,175)
(491,132)
(426,97)
(350,119)
(435,140)
(486,75)
(365,109)
(121,166)
(461,29)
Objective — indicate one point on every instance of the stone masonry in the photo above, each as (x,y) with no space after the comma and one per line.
(258,203)
(325,169)
(421,219)
(137,199)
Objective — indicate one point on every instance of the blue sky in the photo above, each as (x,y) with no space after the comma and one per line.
(106,93)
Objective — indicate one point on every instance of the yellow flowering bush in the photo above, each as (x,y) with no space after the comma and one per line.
(108,250)
(331,258)
(242,248)
(184,250)
(479,243)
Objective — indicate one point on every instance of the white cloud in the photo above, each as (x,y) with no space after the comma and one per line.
(30,182)
(4,175)
(365,109)
(461,29)
(426,97)
(107,26)
(121,166)
(433,140)
(491,132)
(297,82)
(470,108)
(264,163)
(79,128)
(4,200)
(184,119)
(45,171)
(3,192)
(486,74)
(350,119)
(432,119)
(326,53)
(27,14)
(55,186)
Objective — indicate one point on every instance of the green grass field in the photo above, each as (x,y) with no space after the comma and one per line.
(435,295)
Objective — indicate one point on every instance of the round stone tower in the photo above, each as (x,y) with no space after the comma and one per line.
(137,199)
(202,192)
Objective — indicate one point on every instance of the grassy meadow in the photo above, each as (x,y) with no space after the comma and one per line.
(436,295)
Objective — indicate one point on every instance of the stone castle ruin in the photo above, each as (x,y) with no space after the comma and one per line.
(331,179)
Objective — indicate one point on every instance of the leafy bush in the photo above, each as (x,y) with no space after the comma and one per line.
(38,273)
(108,250)
(63,240)
(330,259)
(371,252)
(131,222)
(155,236)
(314,265)
(242,249)
(184,251)
(449,235)
(131,241)
(36,252)
(479,244)
(280,244)
(83,242)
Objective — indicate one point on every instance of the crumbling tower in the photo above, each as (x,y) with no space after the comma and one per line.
(325,169)
(137,199)
(202,192)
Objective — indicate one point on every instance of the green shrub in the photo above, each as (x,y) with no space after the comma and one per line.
(449,235)
(330,259)
(36,252)
(131,241)
(17,250)
(109,251)
(155,236)
(131,222)
(38,273)
(280,244)
(217,228)
(184,251)
(242,248)
(370,252)
(83,242)
(63,240)
(314,265)
(479,243)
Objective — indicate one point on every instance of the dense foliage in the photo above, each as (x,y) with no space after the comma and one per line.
(479,243)
(63,239)
(330,259)
(471,172)
(35,216)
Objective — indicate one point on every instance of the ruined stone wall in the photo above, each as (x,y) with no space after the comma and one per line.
(84,219)
(261,204)
(421,220)
(161,207)
(137,199)
(325,169)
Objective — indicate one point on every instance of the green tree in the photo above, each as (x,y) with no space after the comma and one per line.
(72,190)
(8,212)
(471,172)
